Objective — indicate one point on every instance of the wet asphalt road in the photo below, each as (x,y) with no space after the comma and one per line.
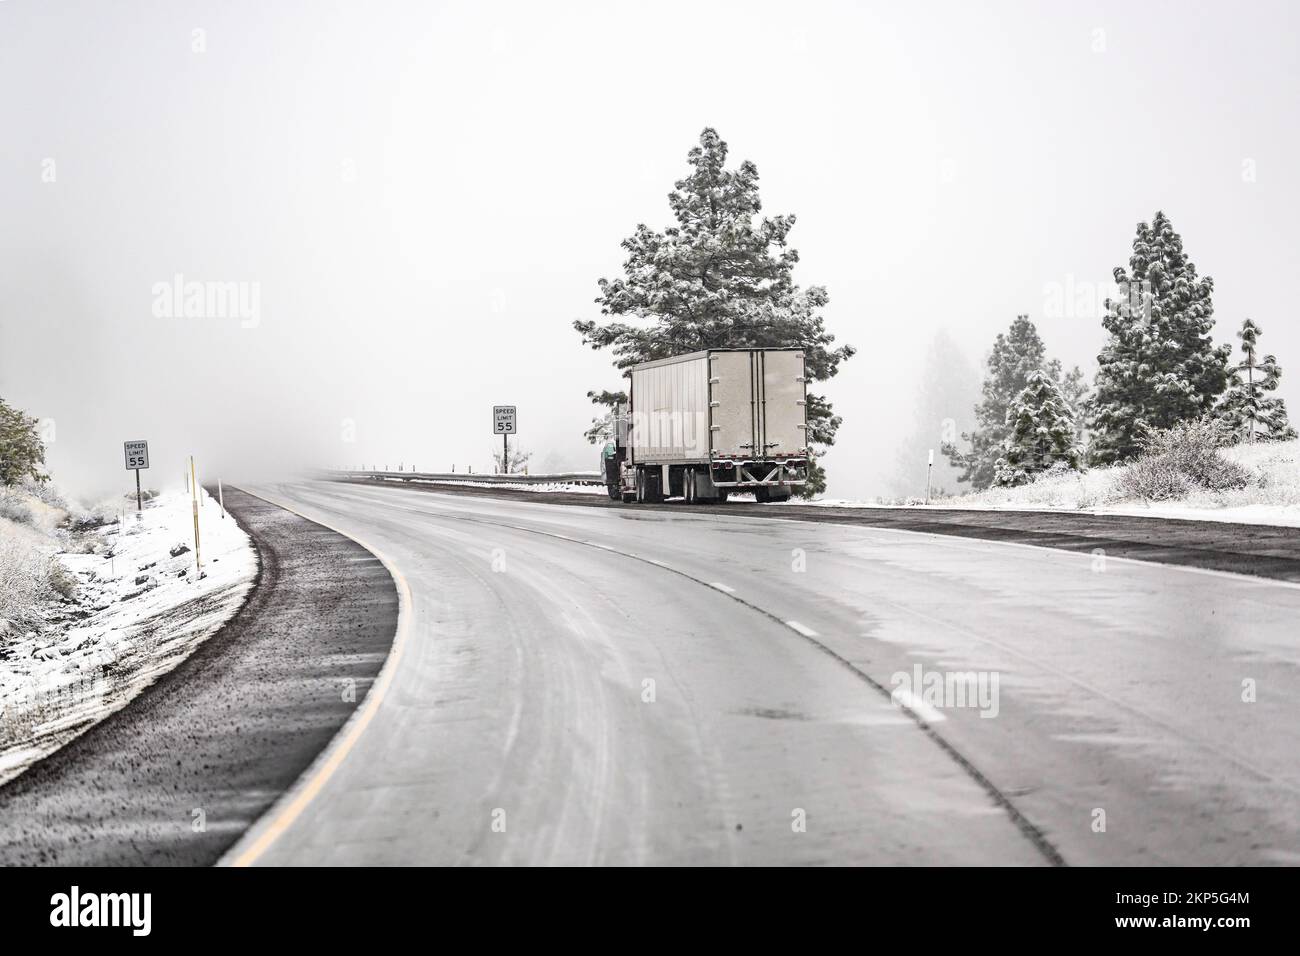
(604,685)
(1261,550)
(230,728)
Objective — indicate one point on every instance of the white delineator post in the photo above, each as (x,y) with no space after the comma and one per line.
(929,469)
(221,496)
(194,504)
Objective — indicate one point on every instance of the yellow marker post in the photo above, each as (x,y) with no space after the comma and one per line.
(194,502)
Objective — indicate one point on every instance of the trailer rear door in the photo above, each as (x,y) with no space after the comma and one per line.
(758,408)
(782,402)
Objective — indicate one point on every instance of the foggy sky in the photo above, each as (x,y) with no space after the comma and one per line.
(424,195)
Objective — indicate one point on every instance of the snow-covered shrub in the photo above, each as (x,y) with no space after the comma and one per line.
(1176,461)
(46,492)
(27,572)
(14,509)
(1153,478)
(61,582)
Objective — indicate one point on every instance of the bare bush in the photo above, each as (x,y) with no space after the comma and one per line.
(1176,461)
(1152,478)
(61,582)
(46,492)
(27,575)
(15,510)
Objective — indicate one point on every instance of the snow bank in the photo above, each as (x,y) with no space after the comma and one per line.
(141,607)
(1272,498)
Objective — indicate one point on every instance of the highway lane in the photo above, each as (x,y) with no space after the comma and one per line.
(520,724)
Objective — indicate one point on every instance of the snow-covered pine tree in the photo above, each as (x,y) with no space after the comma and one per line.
(720,278)
(1247,407)
(1159,366)
(602,428)
(942,408)
(1077,392)
(1016,354)
(1040,426)
(22,452)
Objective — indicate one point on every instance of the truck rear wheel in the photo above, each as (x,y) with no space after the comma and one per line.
(648,491)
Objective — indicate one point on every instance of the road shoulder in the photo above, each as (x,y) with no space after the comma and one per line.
(180,773)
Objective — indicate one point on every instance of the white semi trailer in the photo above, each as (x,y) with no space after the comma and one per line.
(702,425)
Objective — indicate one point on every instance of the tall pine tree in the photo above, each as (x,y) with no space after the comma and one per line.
(720,278)
(1041,433)
(1076,391)
(942,408)
(1159,366)
(1248,407)
(1016,354)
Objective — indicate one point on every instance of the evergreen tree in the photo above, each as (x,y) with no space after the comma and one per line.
(602,427)
(1247,407)
(1016,355)
(1076,392)
(1159,366)
(22,453)
(946,394)
(720,278)
(1041,433)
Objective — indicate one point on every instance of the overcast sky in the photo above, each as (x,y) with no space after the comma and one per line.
(424,194)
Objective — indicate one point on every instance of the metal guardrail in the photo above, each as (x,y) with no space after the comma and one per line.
(567,477)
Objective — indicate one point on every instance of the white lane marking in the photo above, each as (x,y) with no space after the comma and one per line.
(653,561)
(268,828)
(805,631)
(722,587)
(916,705)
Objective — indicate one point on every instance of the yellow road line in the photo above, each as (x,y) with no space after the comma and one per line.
(283,815)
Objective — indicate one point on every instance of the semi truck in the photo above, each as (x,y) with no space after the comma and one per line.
(703,425)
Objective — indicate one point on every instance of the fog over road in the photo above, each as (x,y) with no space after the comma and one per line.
(516,723)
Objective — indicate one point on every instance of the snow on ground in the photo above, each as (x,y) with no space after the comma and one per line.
(1272,499)
(141,608)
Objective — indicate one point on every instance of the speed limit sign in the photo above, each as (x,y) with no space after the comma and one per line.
(503,419)
(137,455)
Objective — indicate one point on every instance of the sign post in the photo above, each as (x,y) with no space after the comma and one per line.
(137,457)
(503,424)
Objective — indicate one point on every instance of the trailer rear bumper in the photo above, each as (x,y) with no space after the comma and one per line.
(789,473)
